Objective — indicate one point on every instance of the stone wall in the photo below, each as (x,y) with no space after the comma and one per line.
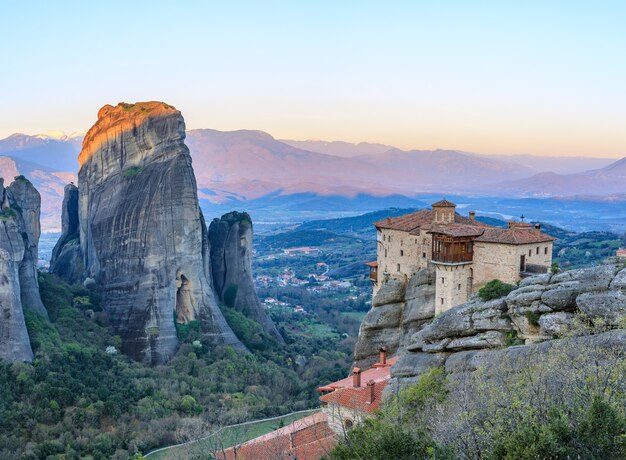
(410,252)
(453,285)
(502,261)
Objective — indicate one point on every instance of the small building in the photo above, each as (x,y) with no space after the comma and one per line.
(344,404)
(621,252)
(464,252)
(348,401)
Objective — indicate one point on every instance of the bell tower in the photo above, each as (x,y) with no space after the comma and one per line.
(443,212)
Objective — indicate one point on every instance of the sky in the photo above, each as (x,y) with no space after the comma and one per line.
(539,77)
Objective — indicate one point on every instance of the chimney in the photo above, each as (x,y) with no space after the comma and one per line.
(372,393)
(356,377)
(472,215)
(537,229)
(383,356)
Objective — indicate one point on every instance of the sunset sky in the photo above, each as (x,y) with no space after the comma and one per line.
(541,77)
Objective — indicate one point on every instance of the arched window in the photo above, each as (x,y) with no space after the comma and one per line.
(348,423)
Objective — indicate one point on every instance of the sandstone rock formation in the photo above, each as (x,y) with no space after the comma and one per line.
(398,311)
(67,259)
(230,239)
(542,308)
(19,288)
(142,236)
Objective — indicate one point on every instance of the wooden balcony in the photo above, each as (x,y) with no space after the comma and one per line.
(452,250)
(452,258)
(373,271)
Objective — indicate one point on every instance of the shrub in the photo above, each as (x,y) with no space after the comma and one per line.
(376,440)
(131,172)
(494,289)
(554,268)
(533,318)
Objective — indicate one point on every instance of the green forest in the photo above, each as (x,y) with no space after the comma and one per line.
(80,398)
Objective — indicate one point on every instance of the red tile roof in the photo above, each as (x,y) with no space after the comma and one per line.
(345,394)
(458,230)
(309,438)
(407,222)
(357,398)
(443,204)
(524,235)
(521,233)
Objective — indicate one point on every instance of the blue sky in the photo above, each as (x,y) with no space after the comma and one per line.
(496,77)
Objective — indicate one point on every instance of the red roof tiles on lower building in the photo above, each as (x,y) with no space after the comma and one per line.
(309,438)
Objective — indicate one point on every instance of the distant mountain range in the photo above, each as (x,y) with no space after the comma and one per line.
(251,169)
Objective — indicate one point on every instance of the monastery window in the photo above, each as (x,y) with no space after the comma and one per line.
(459,287)
(347,423)
(389,238)
(545,250)
(425,241)
(398,267)
(537,250)
(385,252)
(423,255)
(442,301)
(401,252)
(530,252)
(443,280)
(401,242)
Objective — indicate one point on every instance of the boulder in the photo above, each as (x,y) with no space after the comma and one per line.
(142,236)
(556,324)
(19,286)
(390,292)
(67,258)
(489,339)
(230,239)
(610,306)
(619,282)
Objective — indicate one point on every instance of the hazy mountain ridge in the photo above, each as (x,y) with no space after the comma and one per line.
(608,180)
(253,169)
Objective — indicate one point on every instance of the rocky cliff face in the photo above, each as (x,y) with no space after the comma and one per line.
(19,288)
(67,259)
(542,308)
(398,311)
(231,263)
(142,236)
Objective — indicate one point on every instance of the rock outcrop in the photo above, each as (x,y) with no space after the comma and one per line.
(230,239)
(541,309)
(67,259)
(143,239)
(19,288)
(398,310)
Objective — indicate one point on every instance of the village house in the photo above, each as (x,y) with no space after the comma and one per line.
(464,252)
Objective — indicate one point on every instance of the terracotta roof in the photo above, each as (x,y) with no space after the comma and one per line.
(372,264)
(345,394)
(443,203)
(516,235)
(407,222)
(309,438)
(420,220)
(458,230)
(357,398)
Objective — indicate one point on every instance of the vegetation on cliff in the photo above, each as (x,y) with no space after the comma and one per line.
(568,403)
(81,398)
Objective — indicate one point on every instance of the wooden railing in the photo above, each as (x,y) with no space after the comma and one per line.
(453,258)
